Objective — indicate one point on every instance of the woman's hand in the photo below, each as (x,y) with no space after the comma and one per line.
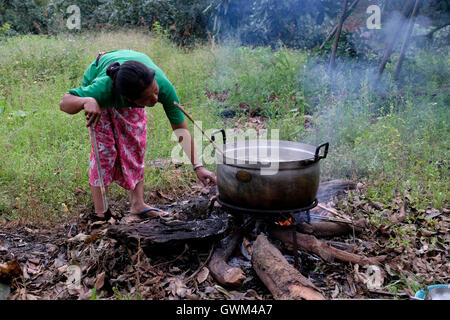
(207,177)
(92,112)
(73,104)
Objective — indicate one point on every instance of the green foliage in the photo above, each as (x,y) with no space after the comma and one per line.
(395,138)
(293,23)
(94,295)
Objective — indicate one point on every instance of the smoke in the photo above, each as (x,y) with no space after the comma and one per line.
(368,120)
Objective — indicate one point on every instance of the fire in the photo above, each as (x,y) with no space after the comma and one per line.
(284,222)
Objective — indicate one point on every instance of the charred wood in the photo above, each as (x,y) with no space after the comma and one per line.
(220,270)
(157,233)
(312,244)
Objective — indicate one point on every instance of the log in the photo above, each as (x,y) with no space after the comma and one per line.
(156,233)
(283,280)
(313,245)
(331,229)
(223,273)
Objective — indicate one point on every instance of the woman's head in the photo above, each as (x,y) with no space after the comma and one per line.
(134,81)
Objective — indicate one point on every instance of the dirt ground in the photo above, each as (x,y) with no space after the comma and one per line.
(40,262)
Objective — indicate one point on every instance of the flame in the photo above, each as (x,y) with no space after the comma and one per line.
(284,223)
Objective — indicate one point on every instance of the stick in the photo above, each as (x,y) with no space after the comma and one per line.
(99,170)
(312,244)
(333,211)
(201,266)
(203,132)
(430,34)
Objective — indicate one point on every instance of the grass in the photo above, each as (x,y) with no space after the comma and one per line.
(394,143)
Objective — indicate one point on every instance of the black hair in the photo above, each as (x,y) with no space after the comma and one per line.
(130,79)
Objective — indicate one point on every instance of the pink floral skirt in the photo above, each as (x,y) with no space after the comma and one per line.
(121,137)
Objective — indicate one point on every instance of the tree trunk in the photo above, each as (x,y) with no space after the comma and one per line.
(406,40)
(283,280)
(338,35)
(390,47)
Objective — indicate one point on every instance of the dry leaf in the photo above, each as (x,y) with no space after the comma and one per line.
(203,275)
(177,287)
(92,238)
(79,238)
(374,277)
(335,292)
(152,281)
(99,283)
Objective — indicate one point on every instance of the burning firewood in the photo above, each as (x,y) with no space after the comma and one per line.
(331,229)
(220,270)
(283,280)
(312,244)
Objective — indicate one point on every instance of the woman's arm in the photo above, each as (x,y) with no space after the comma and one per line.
(73,104)
(187,143)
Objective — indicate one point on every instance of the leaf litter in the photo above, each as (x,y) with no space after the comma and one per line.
(38,263)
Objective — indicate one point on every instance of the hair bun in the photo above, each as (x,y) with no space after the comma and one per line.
(112,70)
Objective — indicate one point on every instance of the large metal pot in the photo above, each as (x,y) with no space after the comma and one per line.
(268,174)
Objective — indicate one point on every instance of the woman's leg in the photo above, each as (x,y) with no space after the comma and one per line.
(137,201)
(130,128)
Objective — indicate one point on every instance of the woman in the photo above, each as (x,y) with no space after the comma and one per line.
(115,89)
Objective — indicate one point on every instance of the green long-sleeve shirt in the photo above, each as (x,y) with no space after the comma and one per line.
(97,84)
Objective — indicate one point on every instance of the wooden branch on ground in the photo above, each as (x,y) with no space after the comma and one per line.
(412,20)
(338,35)
(333,31)
(331,229)
(283,280)
(311,244)
(223,273)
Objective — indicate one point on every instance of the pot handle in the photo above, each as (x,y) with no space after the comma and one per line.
(224,136)
(316,155)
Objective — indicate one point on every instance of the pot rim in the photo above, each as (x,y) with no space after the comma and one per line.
(239,146)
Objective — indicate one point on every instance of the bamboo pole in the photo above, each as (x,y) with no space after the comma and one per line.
(195,123)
